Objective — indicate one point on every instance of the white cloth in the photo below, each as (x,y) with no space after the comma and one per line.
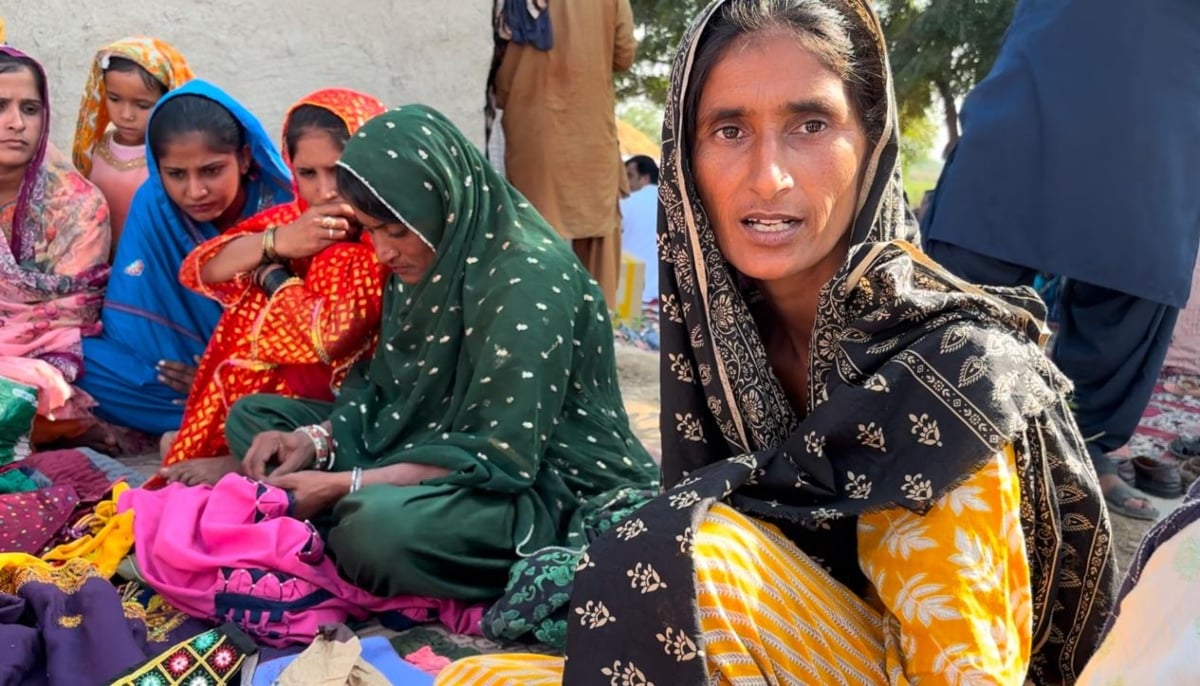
(639,234)
(1156,638)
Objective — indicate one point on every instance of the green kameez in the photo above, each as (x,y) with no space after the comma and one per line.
(498,366)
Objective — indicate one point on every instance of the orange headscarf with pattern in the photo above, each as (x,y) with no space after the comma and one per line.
(164,63)
(352,107)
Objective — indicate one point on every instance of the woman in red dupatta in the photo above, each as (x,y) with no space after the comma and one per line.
(292,330)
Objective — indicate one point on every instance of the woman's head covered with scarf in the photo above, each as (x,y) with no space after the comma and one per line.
(484,325)
(803,335)
(34,133)
(155,63)
(325,119)
(754,198)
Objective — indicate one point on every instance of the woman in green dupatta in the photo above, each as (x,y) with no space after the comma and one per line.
(490,412)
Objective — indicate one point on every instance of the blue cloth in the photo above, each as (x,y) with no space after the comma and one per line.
(148,315)
(375,650)
(1080,150)
(529,23)
(639,234)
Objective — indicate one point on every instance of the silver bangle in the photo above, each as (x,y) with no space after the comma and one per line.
(322,442)
(356,479)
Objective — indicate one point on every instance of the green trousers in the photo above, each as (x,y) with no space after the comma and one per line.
(437,541)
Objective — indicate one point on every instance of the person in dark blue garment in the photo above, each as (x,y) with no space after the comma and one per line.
(211,165)
(1079,157)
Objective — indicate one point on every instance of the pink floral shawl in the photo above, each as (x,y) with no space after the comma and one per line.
(52,275)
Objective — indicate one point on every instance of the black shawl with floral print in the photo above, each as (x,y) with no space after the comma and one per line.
(915,379)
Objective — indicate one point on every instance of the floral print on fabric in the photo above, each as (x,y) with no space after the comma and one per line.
(535,603)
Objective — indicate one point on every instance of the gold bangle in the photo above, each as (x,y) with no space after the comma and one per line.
(269,253)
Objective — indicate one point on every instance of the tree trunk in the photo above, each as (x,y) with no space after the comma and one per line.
(950,112)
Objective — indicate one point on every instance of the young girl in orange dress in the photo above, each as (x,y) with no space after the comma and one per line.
(301,288)
(127,79)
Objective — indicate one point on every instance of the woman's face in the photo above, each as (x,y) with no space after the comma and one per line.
(204,182)
(129,102)
(315,166)
(22,118)
(399,247)
(777,155)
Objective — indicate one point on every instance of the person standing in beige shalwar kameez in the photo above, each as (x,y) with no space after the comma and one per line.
(560,127)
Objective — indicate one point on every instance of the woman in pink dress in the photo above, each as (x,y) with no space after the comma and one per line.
(54,244)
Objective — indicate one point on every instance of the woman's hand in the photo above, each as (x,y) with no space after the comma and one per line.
(290,451)
(318,228)
(178,376)
(312,491)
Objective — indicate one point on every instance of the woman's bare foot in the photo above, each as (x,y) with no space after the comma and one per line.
(164,443)
(100,437)
(201,470)
(1125,500)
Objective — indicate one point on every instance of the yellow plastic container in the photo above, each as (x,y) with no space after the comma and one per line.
(627,310)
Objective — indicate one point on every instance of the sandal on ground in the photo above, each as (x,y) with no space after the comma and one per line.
(1116,498)
(1125,471)
(1183,385)
(1185,447)
(1189,470)
(1157,478)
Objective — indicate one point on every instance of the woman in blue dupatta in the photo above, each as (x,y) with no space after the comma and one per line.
(211,165)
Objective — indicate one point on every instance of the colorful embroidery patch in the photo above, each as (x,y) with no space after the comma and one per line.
(223,660)
(210,659)
(180,662)
(204,641)
(154,678)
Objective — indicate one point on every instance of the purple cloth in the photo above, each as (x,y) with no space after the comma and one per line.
(73,637)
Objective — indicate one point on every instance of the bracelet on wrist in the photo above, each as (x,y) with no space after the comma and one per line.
(322,441)
(273,280)
(269,253)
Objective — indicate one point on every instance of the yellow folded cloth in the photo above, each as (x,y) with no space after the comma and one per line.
(109,539)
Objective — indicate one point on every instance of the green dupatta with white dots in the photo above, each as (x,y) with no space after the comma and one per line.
(499,364)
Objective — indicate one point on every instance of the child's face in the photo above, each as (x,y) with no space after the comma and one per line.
(315,166)
(129,102)
(203,182)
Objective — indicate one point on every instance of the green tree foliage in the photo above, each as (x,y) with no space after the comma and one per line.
(660,26)
(941,47)
(645,116)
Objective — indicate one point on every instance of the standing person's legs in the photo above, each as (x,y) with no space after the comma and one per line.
(602,258)
(977,267)
(1112,346)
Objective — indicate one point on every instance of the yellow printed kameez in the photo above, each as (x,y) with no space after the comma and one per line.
(951,600)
